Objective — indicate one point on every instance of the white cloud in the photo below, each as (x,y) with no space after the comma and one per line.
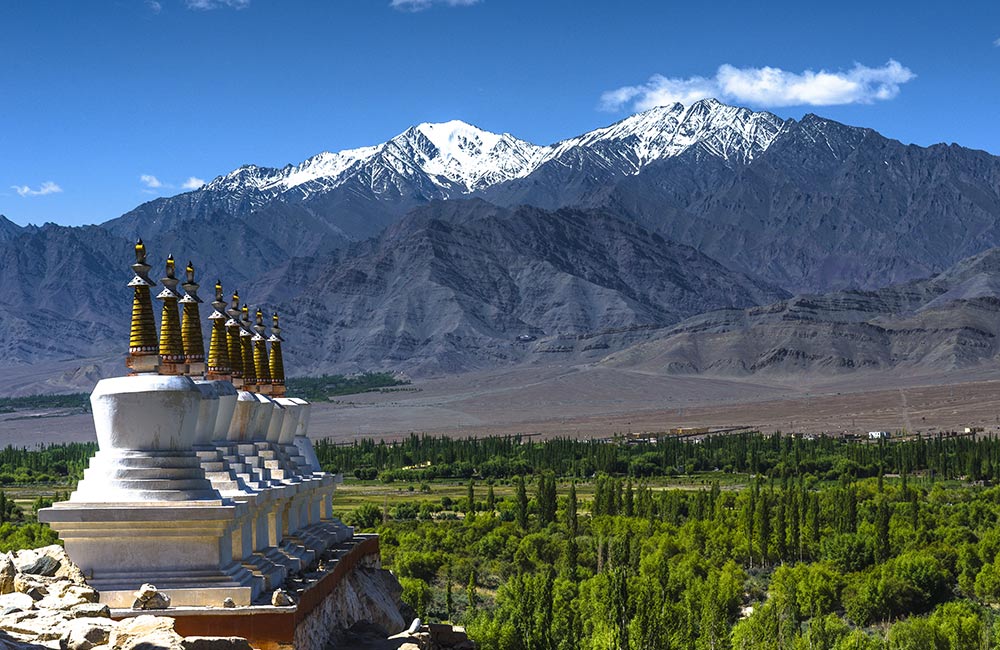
(996,43)
(420,5)
(48,187)
(766,86)
(154,6)
(153,184)
(207,5)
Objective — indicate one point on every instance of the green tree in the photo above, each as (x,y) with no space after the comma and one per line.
(416,594)
(572,524)
(521,499)
(491,500)
(762,526)
(915,634)
(780,531)
(987,584)
(365,516)
(546,499)
(449,605)
(882,517)
(471,594)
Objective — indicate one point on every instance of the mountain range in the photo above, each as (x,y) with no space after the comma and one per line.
(947,322)
(434,251)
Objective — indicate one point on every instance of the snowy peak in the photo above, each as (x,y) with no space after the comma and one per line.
(729,132)
(457,139)
(458,154)
(265,179)
(454,158)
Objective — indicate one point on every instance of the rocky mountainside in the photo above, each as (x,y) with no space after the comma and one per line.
(61,288)
(452,286)
(55,297)
(812,205)
(950,321)
(359,191)
(448,288)
(394,256)
(825,207)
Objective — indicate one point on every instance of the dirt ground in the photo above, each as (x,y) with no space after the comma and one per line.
(596,402)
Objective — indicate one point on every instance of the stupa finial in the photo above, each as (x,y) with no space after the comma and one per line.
(171,341)
(218,347)
(260,363)
(276,361)
(246,349)
(191,338)
(235,347)
(275,329)
(140,252)
(143,348)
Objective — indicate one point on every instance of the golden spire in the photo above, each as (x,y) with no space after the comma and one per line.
(218,347)
(277,363)
(171,343)
(233,339)
(191,338)
(260,364)
(143,350)
(246,348)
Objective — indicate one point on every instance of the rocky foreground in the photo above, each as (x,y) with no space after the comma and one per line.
(45,602)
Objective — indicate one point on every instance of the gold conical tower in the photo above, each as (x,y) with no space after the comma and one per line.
(233,340)
(277,363)
(143,348)
(171,342)
(218,347)
(191,338)
(246,348)
(260,363)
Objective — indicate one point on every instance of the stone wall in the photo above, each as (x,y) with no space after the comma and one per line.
(366,594)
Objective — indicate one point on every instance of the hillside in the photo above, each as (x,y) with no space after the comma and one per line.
(948,322)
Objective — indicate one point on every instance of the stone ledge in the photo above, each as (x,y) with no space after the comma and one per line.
(267,627)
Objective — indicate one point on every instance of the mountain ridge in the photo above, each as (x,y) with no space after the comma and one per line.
(950,321)
(806,207)
(810,204)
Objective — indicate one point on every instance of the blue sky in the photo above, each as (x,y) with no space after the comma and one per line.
(94,96)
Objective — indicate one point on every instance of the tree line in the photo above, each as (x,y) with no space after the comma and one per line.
(784,563)
(45,464)
(424,457)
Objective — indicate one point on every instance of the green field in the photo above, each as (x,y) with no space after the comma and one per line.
(739,542)
(322,388)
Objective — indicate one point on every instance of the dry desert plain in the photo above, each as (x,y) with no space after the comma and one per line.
(589,401)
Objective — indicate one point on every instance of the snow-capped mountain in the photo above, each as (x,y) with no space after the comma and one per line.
(354,194)
(728,132)
(637,224)
(458,158)
(809,204)
(455,156)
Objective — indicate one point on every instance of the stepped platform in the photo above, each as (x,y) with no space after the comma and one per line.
(318,596)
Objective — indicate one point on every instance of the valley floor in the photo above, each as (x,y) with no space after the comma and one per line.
(585,401)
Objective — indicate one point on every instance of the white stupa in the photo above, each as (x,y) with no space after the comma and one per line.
(192,488)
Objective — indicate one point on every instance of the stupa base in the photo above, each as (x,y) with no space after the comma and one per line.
(270,574)
(186,590)
(183,548)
